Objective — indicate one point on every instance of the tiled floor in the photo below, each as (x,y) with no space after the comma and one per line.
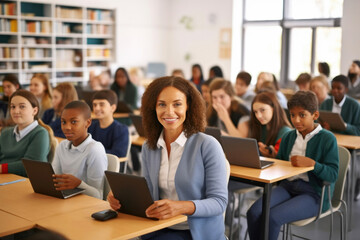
(318,230)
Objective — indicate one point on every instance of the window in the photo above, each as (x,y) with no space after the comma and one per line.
(288,37)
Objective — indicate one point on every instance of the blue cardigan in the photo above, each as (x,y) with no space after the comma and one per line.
(201,178)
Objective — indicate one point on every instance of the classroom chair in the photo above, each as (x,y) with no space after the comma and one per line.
(336,201)
(114,166)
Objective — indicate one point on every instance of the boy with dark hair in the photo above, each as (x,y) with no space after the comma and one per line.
(243,80)
(307,145)
(347,107)
(79,160)
(112,134)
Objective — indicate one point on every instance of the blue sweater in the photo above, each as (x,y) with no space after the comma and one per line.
(201,178)
(350,112)
(54,123)
(115,137)
(322,148)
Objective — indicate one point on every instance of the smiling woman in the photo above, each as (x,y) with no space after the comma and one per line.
(184,168)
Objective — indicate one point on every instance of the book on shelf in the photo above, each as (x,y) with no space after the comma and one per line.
(36,26)
(98,53)
(35,53)
(8,25)
(64,12)
(8,9)
(40,67)
(99,15)
(7,52)
(98,29)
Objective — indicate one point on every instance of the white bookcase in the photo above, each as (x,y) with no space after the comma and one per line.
(62,41)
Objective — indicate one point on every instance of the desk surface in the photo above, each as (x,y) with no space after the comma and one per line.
(10,224)
(80,225)
(348,141)
(280,170)
(137,140)
(20,200)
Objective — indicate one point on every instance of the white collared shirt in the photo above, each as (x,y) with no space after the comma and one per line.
(337,107)
(168,167)
(22,133)
(299,148)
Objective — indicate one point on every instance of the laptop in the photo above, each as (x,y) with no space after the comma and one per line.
(137,121)
(215,132)
(132,192)
(243,152)
(40,176)
(334,119)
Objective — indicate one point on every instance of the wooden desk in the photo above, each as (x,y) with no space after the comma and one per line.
(280,170)
(23,209)
(80,225)
(10,224)
(353,144)
(137,140)
(20,200)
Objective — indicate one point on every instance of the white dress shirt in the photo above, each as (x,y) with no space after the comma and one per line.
(168,167)
(337,107)
(299,149)
(22,133)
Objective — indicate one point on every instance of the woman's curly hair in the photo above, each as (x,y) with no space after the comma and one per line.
(195,115)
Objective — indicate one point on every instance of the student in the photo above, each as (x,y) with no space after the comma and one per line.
(62,95)
(324,68)
(197,76)
(112,134)
(303,81)
(10,84)
(308,145)
(79,160)
(136,77)
(178,73)
(347,107)
(268,123)
(40,87)
(215,72)
(28,139)
(205,91)
(268,77)
(184,168)
(124,88)
(243,80)
(226,111)
(320,86)
(354,76)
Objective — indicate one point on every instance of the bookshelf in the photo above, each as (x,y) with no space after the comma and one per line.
(65,42)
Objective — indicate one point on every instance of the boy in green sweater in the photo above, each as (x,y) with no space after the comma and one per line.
(307,145)
(347,107)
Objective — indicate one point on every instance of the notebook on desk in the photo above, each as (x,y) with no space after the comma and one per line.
(137,121)
(40,176)
(333,119)
(132,192)
(243,152)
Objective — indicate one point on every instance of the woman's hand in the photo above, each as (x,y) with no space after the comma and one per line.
(65,181)
(114,203)
(301,161)
(164,209)
(222,112)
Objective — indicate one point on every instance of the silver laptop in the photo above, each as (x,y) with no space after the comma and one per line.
(132,192)
(40,176)
(243,152)
(333,119)
(137,121)
(215,132)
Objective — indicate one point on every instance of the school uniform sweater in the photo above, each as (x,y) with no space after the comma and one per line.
(115,137)
(279,136)
(350,112)
(35,146)
(322,148)
(54,122)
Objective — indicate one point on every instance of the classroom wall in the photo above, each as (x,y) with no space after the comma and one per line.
(350,42)
(202,42)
